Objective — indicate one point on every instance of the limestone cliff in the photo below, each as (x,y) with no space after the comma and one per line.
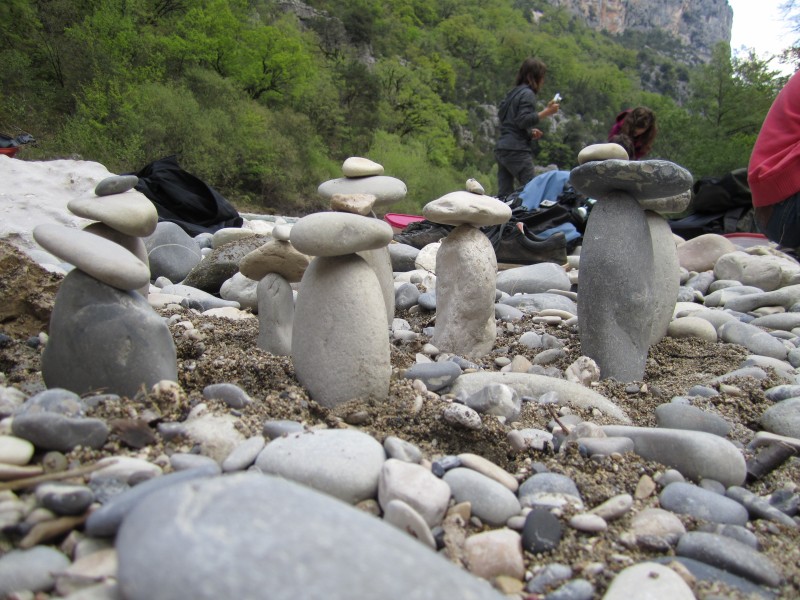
(697,24)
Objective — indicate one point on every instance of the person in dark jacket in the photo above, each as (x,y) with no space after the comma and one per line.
(518,132)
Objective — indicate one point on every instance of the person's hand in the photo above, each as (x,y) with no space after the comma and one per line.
(537,133)
(551,109)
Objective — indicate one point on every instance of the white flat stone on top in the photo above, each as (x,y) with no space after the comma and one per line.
(460,208)
(337,234)
(131,213)
(103,259)
(356,166)
(602,152)
(387,190)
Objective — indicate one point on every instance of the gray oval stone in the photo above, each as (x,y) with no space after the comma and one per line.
(102,259)
(116,184)
(688,499)
(169,547)
(491,501)
(131,213)
(337,234)
(387,190)
(643,179)
(343,463)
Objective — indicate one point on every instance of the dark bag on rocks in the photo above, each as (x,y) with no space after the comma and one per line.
(719,205)
(184,199)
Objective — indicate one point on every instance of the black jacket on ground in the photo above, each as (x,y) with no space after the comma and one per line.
(184,199)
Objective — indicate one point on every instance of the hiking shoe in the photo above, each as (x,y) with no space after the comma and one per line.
(422,233)
(520,247)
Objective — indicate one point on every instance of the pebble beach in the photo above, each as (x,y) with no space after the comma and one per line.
(519,473)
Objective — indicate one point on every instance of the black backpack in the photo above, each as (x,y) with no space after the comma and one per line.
(719,205)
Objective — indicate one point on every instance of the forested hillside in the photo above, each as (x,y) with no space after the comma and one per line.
(264,99)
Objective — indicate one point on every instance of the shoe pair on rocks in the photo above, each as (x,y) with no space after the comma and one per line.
(521,247)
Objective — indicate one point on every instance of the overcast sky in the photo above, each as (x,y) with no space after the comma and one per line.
(758,24)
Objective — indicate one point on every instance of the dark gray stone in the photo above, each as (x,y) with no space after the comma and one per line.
(643,179)
(105,521)
(171,252)
(436,375)
(64,499)
(577,589)
(783,418)
(102,338)
(406,296)
(615,308)
(542,531)
(170,546)
(231,394)
(30,570)
(758,507)
(688,499)
(52,431)
(116,184)
(403,257)
(222,264)
(678,416)
(709,573)
(729,555)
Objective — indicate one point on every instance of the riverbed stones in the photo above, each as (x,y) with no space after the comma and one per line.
(357,166)
(696,454)
(275,315)
(252,520)
(602,152)
(387,190)
(648,580)
(687,499)
(466,269)
(345,464)
(102,338)
(171,252)
(730,555)
(115,184)
(331,322)
(100,258)
(615,311)
(336,234)
(130,213)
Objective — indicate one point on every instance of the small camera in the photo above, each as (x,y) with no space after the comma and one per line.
(557,97)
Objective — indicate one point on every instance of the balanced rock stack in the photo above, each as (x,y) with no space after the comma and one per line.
(275,265)
(103,333)
(363,188)
(340,340)
(467,271)
(620,315)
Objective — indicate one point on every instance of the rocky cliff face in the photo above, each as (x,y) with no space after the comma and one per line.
(698,24)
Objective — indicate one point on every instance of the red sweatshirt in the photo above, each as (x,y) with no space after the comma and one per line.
(774,170)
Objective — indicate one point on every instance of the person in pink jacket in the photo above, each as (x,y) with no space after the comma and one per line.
(774,170)
(637,126)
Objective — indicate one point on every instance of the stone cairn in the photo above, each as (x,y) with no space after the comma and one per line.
(340,339)
(466,269)
(275,265)
(629,274)
(104,336)
(364,188)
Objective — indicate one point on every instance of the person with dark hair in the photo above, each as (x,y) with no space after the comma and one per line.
(624,141)
(774,170)
(639,124)
(518,132)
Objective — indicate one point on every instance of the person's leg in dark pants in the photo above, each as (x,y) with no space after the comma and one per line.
(511,165)
(784,224)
